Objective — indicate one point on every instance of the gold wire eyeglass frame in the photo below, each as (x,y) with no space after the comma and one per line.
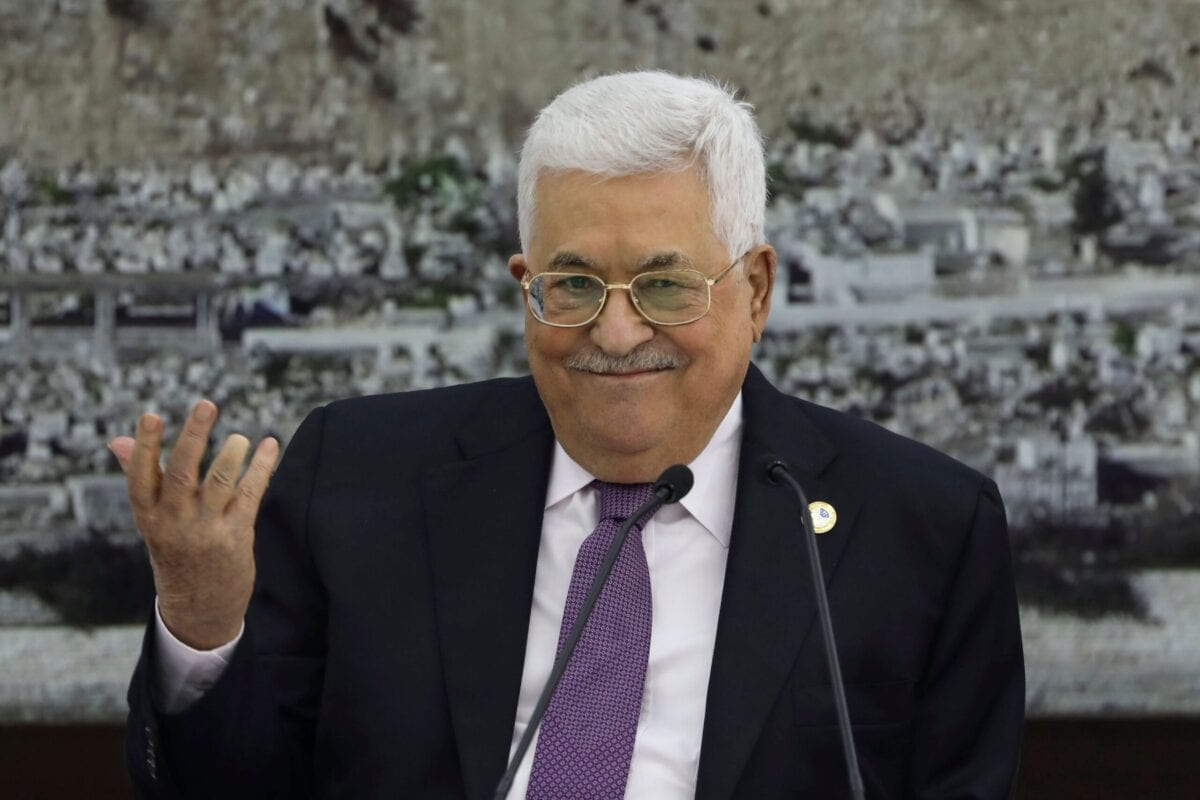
(529,277)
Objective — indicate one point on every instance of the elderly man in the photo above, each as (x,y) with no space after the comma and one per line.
(381,623)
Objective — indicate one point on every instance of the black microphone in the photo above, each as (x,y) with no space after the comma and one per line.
(776,472)
(671,486)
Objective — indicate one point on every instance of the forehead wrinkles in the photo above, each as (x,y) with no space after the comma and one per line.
(573,202)
(663,259)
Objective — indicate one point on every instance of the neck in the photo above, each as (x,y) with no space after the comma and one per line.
(643,467)
(635,466)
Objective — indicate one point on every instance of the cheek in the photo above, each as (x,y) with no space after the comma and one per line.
(547,345)
(712,348)
(546,349)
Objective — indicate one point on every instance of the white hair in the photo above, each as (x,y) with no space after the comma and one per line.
(636,123)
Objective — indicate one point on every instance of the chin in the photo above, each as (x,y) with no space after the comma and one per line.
(627,436)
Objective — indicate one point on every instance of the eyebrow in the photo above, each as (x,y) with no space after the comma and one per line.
(569,258)
(662,260)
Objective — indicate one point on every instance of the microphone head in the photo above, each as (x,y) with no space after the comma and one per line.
(769,467)
(673,484)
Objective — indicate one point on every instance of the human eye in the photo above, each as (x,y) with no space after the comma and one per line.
(669,294)
(568,283)
(666,283)
(661,283)
(567,293)
(572,283)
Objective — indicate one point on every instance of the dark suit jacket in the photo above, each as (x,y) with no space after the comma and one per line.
(396,551)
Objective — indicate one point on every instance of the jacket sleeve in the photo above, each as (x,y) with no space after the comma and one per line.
(251,734)
(971,699)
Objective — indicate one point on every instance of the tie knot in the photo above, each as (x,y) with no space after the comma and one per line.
(619,500)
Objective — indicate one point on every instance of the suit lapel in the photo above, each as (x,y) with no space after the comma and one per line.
(767,608)
(483,521)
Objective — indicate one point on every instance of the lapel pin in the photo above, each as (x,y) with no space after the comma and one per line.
(824,517)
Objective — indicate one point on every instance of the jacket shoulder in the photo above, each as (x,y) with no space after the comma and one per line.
(428,422)
(910,467)
(938,503)
(441,403)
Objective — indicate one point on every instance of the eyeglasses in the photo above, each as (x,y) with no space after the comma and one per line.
(663,297)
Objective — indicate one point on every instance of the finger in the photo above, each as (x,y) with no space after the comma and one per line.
(223,475)
(183,467)
(253,485)
(122,450)
(143,475)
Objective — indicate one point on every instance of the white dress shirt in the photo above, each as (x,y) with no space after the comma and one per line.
(687,546)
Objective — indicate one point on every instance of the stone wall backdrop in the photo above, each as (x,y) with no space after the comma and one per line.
(988,219)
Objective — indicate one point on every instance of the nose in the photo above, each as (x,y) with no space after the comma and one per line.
(620,327)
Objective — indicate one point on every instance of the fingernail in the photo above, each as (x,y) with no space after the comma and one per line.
(147,423)
(203,412)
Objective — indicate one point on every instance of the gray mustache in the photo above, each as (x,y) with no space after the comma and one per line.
(634,361)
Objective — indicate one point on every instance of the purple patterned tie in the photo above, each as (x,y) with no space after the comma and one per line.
(586,740)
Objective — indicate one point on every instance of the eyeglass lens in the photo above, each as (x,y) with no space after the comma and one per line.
(667,296)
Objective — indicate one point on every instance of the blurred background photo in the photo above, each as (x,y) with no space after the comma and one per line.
(987,214)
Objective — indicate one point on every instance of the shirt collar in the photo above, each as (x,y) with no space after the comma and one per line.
(715,472)
(713,494)
(566,477)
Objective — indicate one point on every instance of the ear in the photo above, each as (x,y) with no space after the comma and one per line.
(759,272)
(517,266)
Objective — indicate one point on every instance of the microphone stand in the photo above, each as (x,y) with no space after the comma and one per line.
(776,471)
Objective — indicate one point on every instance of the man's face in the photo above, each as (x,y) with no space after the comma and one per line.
(628,398)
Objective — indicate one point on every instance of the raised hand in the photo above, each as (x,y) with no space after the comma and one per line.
(200,535)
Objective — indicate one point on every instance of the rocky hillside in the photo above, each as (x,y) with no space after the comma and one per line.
(118,82)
